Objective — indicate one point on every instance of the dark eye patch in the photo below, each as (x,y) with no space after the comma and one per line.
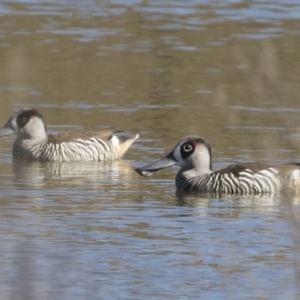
(187,149)
(22,120)
(26,115)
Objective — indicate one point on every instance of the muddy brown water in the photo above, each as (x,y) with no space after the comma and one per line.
(226,70)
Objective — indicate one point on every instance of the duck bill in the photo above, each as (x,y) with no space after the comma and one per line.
(6,130)
(164,163)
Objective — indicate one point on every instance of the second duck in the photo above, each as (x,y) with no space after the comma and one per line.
(33,142)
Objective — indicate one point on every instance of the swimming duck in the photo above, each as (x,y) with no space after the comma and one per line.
(33,142)
(193,155)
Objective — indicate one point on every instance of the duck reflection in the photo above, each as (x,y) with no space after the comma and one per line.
(41,174)
(235,203)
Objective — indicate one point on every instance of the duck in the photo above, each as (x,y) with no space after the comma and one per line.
(193,155)
(32,141)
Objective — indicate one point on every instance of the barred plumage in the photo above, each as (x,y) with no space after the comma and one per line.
(246,183)
(32,141)
(193,155)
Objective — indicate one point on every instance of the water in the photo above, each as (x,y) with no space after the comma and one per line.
(225,70)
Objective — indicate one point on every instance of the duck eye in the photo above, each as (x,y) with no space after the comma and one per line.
(22,119)
(187,147)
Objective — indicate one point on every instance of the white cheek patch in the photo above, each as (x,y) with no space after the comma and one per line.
(35,128)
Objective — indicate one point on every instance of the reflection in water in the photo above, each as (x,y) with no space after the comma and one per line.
(253,202)
(80,236)
(41,175)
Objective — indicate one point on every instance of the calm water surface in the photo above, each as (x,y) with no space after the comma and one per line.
(225,70)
